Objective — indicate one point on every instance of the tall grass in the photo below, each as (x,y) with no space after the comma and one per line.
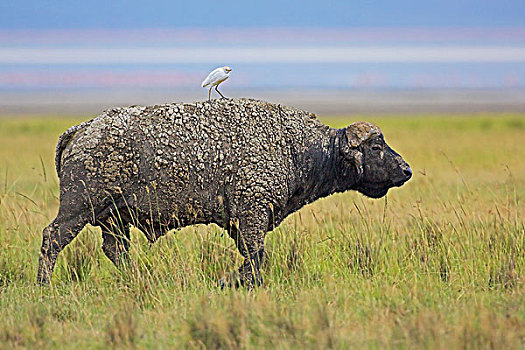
(436,264)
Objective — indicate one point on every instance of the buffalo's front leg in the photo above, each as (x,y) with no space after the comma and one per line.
(250,270)
(248,275)
(250,243)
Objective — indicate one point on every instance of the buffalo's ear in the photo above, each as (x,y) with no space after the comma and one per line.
(357,160)
(351,153)
(354,136)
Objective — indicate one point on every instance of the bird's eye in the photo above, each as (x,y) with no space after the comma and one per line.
(376,147)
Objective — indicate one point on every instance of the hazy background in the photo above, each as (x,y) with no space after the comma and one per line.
(77,57)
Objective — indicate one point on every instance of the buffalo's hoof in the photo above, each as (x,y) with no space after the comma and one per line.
(231,280)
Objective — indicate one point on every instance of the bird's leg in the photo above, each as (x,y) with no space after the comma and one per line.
(209,95)
(217,89)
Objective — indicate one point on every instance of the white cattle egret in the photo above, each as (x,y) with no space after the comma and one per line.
(216,77)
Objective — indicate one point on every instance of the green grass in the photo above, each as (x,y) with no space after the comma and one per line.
(437,264)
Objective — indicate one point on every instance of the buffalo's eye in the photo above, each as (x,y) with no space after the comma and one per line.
(376,147)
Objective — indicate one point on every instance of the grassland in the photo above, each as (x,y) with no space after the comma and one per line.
(436,264)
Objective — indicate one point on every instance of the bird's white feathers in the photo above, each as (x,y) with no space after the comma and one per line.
(217,76)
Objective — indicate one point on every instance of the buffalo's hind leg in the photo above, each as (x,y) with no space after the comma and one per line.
(55,237)
(116,241)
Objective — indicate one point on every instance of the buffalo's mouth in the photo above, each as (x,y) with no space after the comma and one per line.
(373,190)
(407,174)
(378,190)
(399,183)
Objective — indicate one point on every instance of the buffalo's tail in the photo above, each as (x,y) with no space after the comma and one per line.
(63,141)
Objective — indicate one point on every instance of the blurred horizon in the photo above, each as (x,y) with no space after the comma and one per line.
(479,58)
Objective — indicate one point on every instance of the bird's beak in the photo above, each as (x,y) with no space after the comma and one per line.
(228,69)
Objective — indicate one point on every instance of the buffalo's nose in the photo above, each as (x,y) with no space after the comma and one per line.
(408,172)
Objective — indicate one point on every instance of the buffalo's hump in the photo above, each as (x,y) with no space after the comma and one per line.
(196,148)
